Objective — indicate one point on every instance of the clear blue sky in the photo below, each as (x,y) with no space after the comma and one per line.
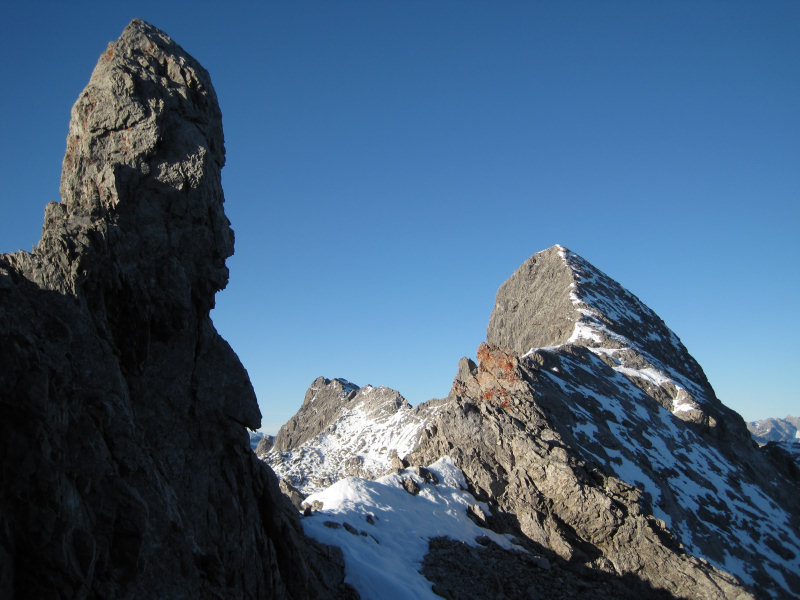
(391,163)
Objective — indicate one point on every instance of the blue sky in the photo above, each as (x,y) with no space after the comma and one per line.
(391,163)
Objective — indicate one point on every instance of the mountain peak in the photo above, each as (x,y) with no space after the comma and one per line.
(342,430)
(589,430)
(533,307)
(556,297)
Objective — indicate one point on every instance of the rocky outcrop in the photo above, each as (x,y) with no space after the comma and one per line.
(521,450)
(342,430)
(126,468)
(264,445)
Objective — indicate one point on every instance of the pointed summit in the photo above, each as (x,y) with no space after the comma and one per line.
(557,297)
(126,469)
(533,307)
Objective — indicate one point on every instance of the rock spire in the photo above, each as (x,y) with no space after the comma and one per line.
(126,467)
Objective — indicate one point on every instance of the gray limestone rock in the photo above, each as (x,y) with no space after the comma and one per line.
(295,497)
(264,445)
(321,407)
(556,297)
(124,456)
(397,464)
(427,475)
(411,486)
(533,307)
(513,437)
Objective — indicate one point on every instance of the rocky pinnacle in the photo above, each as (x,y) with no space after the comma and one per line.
(125,462)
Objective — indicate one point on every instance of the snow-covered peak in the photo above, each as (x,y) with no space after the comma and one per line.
(344,431)
(556,298)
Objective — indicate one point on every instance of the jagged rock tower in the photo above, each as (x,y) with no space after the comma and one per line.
(126,468)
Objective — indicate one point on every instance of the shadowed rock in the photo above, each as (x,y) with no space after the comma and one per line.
(126,467)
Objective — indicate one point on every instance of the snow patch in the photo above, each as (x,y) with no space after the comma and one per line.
(383,530)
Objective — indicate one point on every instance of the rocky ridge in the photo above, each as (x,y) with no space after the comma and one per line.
(126,468)
(342,430)
(593,435)
(557,298)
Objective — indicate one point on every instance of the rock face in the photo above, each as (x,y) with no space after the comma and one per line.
(533,308)
(592,310)
(264,445)
(521,444)
(593,435)
(126,467)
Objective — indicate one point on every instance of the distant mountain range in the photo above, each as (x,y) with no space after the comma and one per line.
(784,433)
(775,430)
(585,433)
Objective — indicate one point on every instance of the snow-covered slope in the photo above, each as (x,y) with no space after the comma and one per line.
(709,501)
(626,334)
(384,529)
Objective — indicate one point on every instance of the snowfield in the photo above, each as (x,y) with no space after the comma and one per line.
(384,530)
